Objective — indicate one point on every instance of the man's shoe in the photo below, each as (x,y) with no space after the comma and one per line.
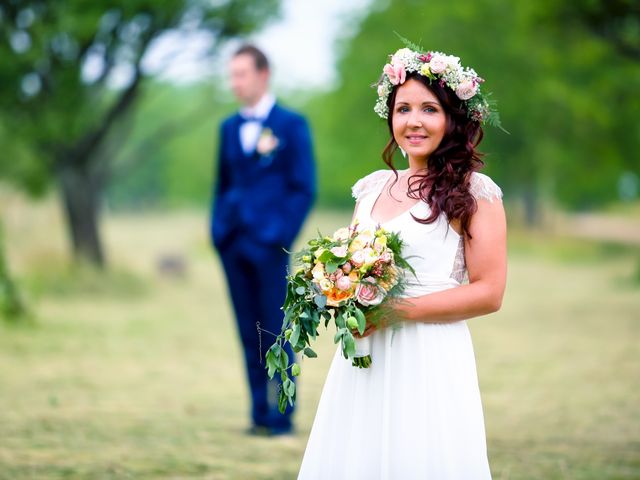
(264,431)
(290,430)
(258,431)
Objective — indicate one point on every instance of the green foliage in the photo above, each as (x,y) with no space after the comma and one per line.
(72,74)
(567,97)
(52,111)
(563,76)
(169,161)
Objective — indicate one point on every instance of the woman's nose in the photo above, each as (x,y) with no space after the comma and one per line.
(414,120)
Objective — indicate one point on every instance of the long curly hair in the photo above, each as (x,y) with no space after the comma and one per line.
(445,185)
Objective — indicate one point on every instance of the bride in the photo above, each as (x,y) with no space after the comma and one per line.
(416,413)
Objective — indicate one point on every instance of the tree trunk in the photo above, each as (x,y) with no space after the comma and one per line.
(11,304)
(80,188)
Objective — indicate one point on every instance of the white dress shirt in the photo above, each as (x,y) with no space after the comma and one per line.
(250,131)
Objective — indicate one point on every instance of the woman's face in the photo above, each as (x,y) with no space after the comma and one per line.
(418,121)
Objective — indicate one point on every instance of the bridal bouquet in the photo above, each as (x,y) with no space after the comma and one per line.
(336,279)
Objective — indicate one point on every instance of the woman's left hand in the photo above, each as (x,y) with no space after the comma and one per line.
(370,327)
(393,310)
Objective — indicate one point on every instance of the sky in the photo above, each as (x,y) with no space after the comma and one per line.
(301,46)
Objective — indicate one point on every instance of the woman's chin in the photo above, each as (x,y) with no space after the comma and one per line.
(416,151)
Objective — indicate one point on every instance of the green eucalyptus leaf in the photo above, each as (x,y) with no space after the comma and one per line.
(295,335)
(284,360)
(320,301)
(349,344)
(331,267)
(362,320)
(282,402)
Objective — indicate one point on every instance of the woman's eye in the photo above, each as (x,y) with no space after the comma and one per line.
(430,109)
(403,109)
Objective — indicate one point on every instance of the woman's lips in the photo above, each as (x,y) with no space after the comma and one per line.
(416,139)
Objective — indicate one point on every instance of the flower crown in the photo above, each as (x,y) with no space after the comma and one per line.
(436,66)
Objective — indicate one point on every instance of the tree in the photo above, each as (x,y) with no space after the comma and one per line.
(11,305)
(616,21)
(72,73)
(565,94)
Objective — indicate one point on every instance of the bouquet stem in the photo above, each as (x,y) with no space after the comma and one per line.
(362,358)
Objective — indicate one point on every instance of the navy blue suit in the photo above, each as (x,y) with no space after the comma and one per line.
(260,203)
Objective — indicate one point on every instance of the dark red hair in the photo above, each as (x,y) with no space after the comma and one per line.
(445,185)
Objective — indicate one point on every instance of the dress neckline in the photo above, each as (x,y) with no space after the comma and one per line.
(377,197)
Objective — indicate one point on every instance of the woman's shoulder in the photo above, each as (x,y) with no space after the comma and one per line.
(483,186)
(370,183)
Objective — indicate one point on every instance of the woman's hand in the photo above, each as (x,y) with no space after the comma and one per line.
(369,328)
(393,310)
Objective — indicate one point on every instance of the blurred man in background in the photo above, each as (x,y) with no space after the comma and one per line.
(265,187)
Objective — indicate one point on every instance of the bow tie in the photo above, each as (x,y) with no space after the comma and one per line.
(249,118)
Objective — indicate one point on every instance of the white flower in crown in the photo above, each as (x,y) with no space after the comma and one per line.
(267,142)
(405,57)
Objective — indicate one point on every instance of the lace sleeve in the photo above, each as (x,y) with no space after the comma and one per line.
(482,186)
(369,183)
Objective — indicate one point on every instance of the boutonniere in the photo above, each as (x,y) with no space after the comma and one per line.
(267,143)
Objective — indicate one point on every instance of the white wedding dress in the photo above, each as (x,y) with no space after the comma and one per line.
(416,413)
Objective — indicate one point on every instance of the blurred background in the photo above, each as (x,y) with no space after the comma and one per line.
(119,354)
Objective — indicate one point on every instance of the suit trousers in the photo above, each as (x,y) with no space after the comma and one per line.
(256,279)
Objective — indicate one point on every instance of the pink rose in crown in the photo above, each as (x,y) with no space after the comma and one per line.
(466,90)
(396,73)
(438,64)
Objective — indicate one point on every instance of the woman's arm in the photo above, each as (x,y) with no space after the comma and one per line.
(486,260)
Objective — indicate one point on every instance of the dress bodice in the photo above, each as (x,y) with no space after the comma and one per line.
(435,250)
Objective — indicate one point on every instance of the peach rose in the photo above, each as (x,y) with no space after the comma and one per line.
(336,296)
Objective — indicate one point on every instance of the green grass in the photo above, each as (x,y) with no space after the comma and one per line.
(140,376)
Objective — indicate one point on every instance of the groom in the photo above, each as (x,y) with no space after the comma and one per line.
(264,189)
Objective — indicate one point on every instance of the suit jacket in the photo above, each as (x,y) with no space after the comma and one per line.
(264,197)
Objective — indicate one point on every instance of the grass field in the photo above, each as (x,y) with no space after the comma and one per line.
(139,375)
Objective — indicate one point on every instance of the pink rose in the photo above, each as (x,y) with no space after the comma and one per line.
(368,293)
(438,64)
(343,283)
(346,268)
(396,73)
(358,258)
(466,90)
(339,251)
